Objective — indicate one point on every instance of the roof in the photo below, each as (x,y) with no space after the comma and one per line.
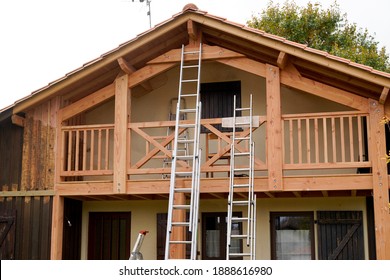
(254,43)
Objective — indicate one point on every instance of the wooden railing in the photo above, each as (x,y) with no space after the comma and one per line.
(87,150)
(311,141)
(325,140)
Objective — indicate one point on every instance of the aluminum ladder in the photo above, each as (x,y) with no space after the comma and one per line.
(189,86)
(241,181)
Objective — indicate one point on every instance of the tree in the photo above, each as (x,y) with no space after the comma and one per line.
(326,30)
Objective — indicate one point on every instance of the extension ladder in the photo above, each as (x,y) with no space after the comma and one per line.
(136,254)
(189,86)
(241,181)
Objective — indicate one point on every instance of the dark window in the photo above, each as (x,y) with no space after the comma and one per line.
(217,101)
(214,235)
(292,236)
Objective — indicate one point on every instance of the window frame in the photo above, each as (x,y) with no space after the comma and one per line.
(274,215)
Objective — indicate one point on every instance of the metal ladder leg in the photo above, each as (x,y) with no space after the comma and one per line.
(189,86)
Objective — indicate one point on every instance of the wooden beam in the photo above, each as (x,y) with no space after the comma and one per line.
(208,53)
(129,69)
(17,120)
(87,102)
(148,72)
(291,78)
(377,146)
(192,30)
(384,94)
(282,60)
(274,129)
(57,228)
(120,133)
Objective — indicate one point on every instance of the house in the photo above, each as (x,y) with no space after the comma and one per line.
(83,161)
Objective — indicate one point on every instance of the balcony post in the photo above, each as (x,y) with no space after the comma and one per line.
(380,180)
(122,93)
(274,129)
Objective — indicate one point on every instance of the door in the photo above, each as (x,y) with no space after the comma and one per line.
(340,235)
(7,237)
(109,235)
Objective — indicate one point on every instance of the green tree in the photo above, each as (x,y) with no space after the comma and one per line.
(327,30)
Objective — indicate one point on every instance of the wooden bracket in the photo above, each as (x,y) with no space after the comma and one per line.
(383,97)
(129,69)
(17,120)
(282,60)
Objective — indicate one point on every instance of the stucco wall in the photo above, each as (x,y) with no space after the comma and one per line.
(144,213)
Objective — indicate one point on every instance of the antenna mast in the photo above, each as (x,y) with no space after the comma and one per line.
(149,13)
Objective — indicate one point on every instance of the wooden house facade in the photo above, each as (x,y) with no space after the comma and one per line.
(85,160)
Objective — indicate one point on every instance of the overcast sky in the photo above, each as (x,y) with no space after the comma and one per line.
(42,40)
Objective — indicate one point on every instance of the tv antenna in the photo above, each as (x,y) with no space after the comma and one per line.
(149,12)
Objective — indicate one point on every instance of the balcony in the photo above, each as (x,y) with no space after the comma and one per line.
(315,143)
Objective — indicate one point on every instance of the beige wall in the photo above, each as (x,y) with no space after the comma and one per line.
(143,217)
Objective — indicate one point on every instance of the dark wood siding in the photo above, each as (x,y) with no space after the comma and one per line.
(30,235)
(340,235)
(11,143)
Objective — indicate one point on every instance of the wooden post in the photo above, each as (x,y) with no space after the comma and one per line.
(178,251)
(57,228)
(120,133)
(377,144)
(274,129)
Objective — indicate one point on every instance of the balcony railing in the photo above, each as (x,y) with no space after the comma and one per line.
(326,141)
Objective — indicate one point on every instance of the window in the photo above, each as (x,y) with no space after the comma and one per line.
(292,236)
(214,236)
(218,101)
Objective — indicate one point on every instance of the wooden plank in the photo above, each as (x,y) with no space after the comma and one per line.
(192,30)
(274,129)
(129,69)
(120,133)
(377,148)
(57,228)
(88,102)
(148,72)
(178,251)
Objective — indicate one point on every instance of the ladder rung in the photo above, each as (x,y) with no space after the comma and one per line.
(182,207)
(183,190)
(183,173)
(186,125)
(243,109)
(241,169)
(188,95)
(239,236)
(190,157)
(191,52)
(180,242)
(239,254)
(242,154)
(242,123)
(241,138)
(181,224)
(191,66)
(189,81)
(183,141)
(240,219)
(239,202)
(241,186)
(187,110)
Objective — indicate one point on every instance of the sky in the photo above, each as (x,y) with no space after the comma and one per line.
(43,40)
